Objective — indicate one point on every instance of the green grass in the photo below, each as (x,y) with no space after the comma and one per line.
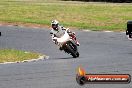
(93,16)
(11,55)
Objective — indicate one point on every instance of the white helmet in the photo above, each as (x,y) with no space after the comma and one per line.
(54,24)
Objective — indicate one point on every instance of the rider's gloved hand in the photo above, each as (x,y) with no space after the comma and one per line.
(73,33)
(55,41)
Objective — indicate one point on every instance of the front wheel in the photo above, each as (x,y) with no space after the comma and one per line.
(72,50)
(77,54)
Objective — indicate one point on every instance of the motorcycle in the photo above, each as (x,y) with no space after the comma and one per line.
(128,30)
(67,44)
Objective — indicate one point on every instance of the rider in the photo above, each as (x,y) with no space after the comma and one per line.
(58,30)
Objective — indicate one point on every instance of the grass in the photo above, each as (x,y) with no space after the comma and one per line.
(93,16)
(11,55)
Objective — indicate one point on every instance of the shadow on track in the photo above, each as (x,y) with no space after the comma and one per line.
(65,58)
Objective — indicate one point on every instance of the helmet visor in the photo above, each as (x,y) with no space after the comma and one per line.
(54,26)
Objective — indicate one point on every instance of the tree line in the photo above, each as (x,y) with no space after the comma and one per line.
(116,1)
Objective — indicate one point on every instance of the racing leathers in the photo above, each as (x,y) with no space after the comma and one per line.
(58,33)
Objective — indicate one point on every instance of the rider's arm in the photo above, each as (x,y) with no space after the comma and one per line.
(66,29)
(69,31)
(52,34)
(53,37)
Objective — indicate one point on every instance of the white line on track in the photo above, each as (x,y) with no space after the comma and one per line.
(33,60)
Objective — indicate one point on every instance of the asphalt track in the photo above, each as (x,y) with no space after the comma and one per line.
(100,52)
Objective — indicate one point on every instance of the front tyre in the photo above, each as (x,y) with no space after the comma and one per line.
(77,54)
(72,49)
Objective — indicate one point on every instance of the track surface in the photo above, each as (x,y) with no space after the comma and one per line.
(100,52)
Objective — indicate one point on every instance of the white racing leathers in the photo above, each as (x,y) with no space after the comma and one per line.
(65,42)
(60,32)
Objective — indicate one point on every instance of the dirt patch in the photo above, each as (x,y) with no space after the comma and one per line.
(24,24)
(31,25)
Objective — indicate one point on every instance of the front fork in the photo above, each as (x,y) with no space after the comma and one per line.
(73,37)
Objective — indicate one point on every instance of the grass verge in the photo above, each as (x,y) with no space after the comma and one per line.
(11,55)
(82,15)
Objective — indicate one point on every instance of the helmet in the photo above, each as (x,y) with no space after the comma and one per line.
(54,24)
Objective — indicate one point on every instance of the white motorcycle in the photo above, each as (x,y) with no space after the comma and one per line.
(68,44)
